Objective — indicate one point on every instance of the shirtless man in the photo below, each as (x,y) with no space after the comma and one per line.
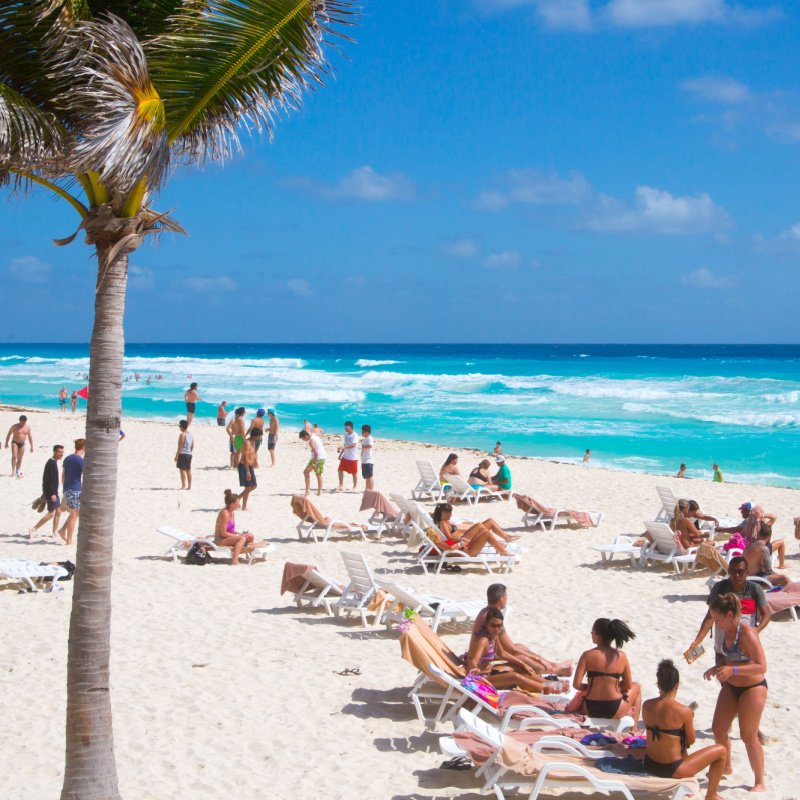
(758,555)
(19,433)
(191,399)
(272,437)
(62,399)
(235,428)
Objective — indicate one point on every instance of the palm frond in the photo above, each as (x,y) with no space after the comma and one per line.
(224,63)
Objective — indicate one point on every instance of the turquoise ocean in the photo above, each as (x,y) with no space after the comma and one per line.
(638,407)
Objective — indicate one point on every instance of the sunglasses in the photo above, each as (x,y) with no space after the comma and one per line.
(737,571)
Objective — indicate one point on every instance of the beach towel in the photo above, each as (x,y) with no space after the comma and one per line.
(294,576)
(710,557)
(787,597)
(526,503)
(302,507)
(372,499)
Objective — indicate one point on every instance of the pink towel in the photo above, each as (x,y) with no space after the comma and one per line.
(527,503)
(294,576)
(379,502)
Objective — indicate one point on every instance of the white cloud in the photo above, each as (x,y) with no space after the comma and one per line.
(140,277)
(569,14)
(462,248)
(704,278)
(299,287)
(650,13)
(658,211)
(220,283)
(537,188)
(792,234)
(505,259)
(29,269)
(362,184)
(723,90)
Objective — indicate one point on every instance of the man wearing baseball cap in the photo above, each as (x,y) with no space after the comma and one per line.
(501,482)
(745,509)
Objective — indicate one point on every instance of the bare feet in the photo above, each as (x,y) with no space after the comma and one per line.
(61,534)
(759,787)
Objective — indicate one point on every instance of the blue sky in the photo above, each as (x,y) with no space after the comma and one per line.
(481,170)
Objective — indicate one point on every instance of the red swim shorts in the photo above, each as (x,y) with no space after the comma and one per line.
(350,466)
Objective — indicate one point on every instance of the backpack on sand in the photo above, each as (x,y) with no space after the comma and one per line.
(198,555)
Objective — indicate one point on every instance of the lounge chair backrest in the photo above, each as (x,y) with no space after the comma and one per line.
(668,500)
(664,539)
(459,484)
(358,571)
(407,598)
(474,724)
(427,472)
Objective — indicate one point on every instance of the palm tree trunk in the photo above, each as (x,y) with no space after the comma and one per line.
(90,772)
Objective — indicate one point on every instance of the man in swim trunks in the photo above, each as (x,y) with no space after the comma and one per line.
(19,433)
(191,399)
(758,555)
(255,433)
(348,456)
(50,491)
(317,461)
(222,414)
(62,399)
(235,428)
(71,482)
(272,437)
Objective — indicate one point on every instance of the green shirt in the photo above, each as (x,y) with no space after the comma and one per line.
(718,478)
(503,477)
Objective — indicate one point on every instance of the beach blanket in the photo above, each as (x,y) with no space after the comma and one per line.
(372,499)
(294,576)
(527,503)
(302,507)
(787,597)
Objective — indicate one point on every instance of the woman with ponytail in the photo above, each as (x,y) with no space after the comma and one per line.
(670,734)
(225,534)
(608,692)
(744,685)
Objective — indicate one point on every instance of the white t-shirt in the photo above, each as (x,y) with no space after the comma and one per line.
(318,445)
(366,455)
(352,453)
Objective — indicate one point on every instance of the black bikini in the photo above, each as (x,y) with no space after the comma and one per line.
(658,768)
(606,709)
(736,655)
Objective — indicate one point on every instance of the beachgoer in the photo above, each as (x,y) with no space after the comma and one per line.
(472,540)
(748,528)
(272,436)
(19,433)
(758,555)
(718,476)
(498,449)
(511,672)
(256,431)
(247,471)
(316,463)
(688,533)
(501,481)
(225,534)
(235,428)
(348,456)
(222,413)
(480,475)
(609,691)
(681,471)
(71,481)
(191,398)
(497,597)
(450,467)
(742,675)
(62,399)
(183,457)
(73,400)
(367,458)
(695,513)
(50,490)
(753,603)
(670,734)
(587,456)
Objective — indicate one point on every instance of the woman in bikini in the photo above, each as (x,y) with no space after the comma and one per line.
(683,525)
(225,534)
(670,734)
(480,475)
(450,467)
(744,685)
(609,692)
(473,538)
(511,673)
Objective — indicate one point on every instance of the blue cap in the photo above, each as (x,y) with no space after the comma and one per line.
(260,412)
(270,411)
(747,506)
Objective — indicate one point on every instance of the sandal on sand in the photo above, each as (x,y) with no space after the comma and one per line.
(349,671)
(459,762)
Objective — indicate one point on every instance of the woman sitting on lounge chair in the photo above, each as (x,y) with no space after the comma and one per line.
(510,673)
(450,467)
(683,525)
(670,734)
(472,540)
(225,534)
(480,475)
(609,693)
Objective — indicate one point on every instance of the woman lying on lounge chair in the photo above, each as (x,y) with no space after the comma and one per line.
(609,693)
(468,537)
(225,534)
(510,673)
(670,734)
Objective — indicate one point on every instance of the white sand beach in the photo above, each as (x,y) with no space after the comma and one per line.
(223,689)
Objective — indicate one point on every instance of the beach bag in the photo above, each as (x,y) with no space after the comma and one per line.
(39,504)
(797,527)
(479,686)
(197,555)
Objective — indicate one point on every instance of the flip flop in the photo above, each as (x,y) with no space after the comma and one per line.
(459,763)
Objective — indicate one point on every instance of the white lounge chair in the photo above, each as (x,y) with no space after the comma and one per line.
(464,491)
(313,524)
(536,514)
(666,548)
(181,542)
(433,608)
(361,592)
(623,545)
(668,500)
(30,573)
(317,590)
(428,484)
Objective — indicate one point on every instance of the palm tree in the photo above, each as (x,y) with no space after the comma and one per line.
(103,99)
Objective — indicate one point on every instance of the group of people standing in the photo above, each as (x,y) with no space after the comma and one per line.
(71,484)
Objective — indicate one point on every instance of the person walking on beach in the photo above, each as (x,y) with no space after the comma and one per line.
(183,457)
(73,400)
(255,433)
(191,398)
(718,476)
(62,399)
(247,471)
(50,491)
(348,456)
(222,414)
(19,433)
(272,436)
(367,462)
(71,480)
(317,462)
(235,428)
